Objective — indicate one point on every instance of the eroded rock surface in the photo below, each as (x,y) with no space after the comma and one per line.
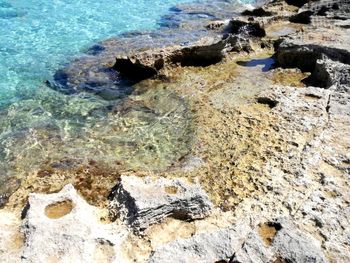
(264,149)
(244,243)
(62,227)
(141,202)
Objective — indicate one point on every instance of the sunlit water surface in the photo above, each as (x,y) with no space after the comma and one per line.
(39,125)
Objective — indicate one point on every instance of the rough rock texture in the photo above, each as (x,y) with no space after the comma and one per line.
(141,202)
(252,29)
(94,73)
(265,148)
(244,243)
(323,37)
(62,227)
(257,12)
(11,240)
(207,51)
(328,72)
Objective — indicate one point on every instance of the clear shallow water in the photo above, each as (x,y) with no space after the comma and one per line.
(148,130)
(41,126)
(36,36)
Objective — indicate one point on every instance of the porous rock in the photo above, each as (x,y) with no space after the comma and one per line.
(62,227)
(328,73)
(145,64)
(141,202)
(243,243)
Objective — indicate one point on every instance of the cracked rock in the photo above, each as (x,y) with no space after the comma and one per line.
(141,202)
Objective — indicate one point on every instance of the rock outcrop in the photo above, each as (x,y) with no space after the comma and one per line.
(273,156)
(277,241)
(141,202)
(62,227)
(205,52)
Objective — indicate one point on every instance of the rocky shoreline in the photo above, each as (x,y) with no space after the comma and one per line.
(267,175)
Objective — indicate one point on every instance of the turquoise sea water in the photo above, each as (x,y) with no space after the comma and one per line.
(148,130)
(36,36)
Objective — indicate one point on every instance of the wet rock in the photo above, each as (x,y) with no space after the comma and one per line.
(259,12)
(216,25)
(254,29)
(145,64)
(7,187)
(61,227)
(141,202)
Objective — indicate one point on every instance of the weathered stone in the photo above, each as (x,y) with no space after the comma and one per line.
(298,3)
(62,227)
(141,202)
(257,12)
(211,247)
(328,73)
(304,57)
(302,17)
(336,9)
(145,64)
(254,29)
(293,245)
(216,25)
(243,243)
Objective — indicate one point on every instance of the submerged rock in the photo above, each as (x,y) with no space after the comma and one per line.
(141,202)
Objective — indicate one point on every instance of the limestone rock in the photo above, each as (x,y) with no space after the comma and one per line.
(328,73)
(259,12)
(145,64)
(244,242)
(141,202)
(62,227)
(239,26)
(205,247)
(293,245)
(293,54)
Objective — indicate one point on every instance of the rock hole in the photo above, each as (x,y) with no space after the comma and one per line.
(104,251)
(59,209)
(267,101)
(259,12)
(171,190)
(268,231)
(280,260)
(302,18)
(181,215)
(313,96)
